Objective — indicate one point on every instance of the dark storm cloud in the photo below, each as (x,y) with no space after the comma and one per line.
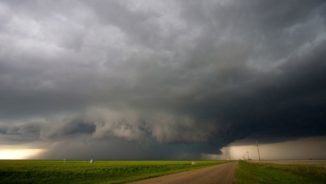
(161,73)
(18,134)
(73,128)
(288,104)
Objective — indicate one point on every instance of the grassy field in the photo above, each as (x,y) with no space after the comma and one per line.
(269,173)
(84,172)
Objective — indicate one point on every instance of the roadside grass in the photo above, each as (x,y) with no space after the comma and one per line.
(262,173)
(32,171)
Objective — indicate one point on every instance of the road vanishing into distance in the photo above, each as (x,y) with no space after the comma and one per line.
(218,174)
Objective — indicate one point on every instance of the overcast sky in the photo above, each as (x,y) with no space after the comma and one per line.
(172,79)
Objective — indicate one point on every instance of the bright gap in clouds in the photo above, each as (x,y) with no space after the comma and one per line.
(304,148)
(13,154)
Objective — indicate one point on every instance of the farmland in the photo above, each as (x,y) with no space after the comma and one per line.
(247,172)
(281,172)
(30,171)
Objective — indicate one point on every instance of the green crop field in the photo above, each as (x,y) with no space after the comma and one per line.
(28,171)
(268,173)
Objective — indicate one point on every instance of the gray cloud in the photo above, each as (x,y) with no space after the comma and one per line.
(73,128)
(166,73)
(20,133)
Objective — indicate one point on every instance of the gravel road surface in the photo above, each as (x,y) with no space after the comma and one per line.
(218,174)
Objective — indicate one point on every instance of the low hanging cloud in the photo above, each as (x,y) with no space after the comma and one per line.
(190,77)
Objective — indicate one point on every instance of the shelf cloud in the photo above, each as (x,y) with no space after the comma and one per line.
(168,79)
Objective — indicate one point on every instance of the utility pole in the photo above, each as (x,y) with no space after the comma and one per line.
(258,150)
(248,155)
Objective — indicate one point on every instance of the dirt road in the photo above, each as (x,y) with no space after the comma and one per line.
(219,174)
